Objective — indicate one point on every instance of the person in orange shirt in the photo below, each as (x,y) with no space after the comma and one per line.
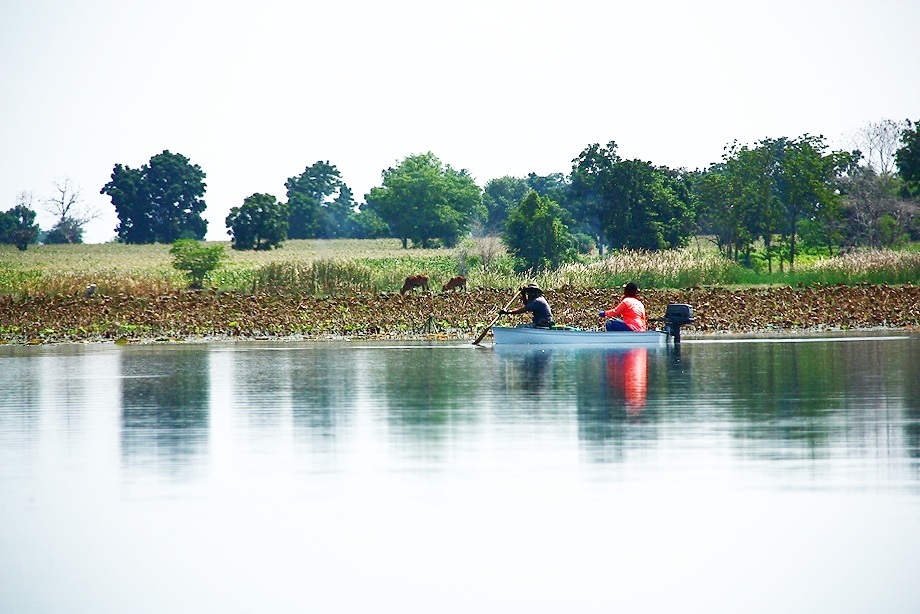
(629,315)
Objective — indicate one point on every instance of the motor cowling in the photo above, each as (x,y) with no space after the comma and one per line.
(678,313)
(675,316)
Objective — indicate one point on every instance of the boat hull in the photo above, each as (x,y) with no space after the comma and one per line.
(525,335)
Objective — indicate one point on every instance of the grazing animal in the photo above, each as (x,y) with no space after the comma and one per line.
(413,282)
(455,283)
(90,290)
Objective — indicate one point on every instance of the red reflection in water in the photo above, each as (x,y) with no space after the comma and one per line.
(627,372)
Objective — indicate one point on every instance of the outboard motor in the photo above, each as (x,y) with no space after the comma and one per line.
(675,316)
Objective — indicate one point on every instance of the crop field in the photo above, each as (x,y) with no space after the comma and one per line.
(349,266)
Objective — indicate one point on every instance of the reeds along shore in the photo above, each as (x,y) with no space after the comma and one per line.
(322,289)
(183,315)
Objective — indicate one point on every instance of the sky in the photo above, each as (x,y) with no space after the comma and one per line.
(256,92)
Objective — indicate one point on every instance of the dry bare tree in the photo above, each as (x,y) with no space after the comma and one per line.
(71,212)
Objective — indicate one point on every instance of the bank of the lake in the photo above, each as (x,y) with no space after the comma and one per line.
(187,314)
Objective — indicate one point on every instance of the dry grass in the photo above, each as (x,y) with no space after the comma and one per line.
(347,266)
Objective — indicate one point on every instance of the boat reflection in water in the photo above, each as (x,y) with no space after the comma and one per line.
(627,377)
(605,382)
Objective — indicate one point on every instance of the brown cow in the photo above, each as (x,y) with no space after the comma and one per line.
(415,281)
(458,282)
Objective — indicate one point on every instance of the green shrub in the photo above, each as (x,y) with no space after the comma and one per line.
(195,259)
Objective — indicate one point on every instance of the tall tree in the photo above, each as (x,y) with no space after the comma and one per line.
(318,202)
(535,234)
(908,159)
(807,184)
(498,197)
(632,203)
(423,199)
(260,223)
(592,173)
(878,144)
(71,212)
(17,226)
(160,202)
(336,215)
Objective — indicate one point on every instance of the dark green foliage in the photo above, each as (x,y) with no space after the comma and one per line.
(767,191)
(629,204)
(260,223)
(319,203)
(195,259)
(159,202)
(365,224)
(908,160)
(535,234)
(18,227)
(422,200)
(67,230)
(499,196)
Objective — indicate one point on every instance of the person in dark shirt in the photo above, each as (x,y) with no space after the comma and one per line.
(534,302)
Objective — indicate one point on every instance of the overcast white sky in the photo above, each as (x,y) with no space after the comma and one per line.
(255,92)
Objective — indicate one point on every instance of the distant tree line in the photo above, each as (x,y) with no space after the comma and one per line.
(765,201)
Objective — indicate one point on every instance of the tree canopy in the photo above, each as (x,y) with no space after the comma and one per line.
(423,199)
(18,227)
(159,202)
(319,203)
(769,190)
(908,159)
(535,234)
(260,223)
(629,204)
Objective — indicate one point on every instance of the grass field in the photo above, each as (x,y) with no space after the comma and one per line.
(335,267)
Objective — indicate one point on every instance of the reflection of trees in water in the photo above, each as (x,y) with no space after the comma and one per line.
(309,388)
(426,391)
(912,399)
(323,390)
(801,399)
(20,409)
(165,397)
(527,371)
(261,385)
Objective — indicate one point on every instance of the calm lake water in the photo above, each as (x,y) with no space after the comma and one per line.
(743,476)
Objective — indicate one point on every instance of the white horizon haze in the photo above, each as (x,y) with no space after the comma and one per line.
(255,93)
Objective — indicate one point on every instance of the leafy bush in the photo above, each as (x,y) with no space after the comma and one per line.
(195,259)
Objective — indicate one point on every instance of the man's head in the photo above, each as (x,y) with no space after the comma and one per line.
(531,291)
(631,289)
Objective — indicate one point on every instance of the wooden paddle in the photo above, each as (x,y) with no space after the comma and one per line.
(489,327)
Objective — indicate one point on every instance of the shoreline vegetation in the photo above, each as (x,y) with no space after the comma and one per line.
(320,290)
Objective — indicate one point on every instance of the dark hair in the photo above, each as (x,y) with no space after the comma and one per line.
(631,289)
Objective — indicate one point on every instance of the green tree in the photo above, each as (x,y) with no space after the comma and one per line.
(498,197)
(535,234)
(364,223)
(336,214)
(195,259)
(718,208)
(629,204)
(318,203)
(807,184)
(159,202)
(423,199)
(260,223)
(752,174)
(592,174)
(908,160)
(17,225)
(66,230)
